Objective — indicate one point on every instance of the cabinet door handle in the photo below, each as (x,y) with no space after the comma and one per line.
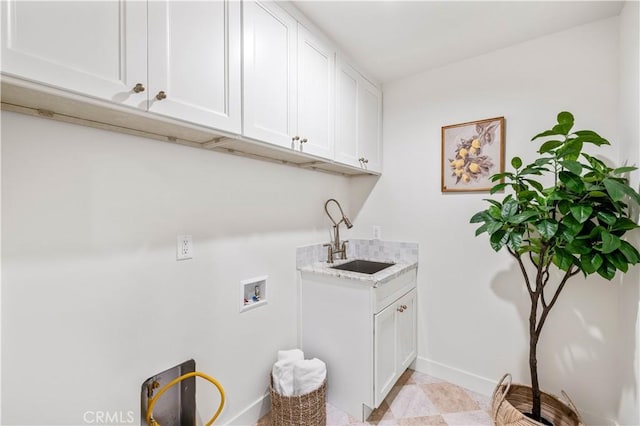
(303,140)
(161,95)
(138,88)
(295,138)
(404,306)
(363,160)
(400,309)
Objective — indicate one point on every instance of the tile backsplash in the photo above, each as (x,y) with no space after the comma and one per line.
(390,251)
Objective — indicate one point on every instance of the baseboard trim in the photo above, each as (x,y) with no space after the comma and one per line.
(456,376)
(253,413)
(485,386)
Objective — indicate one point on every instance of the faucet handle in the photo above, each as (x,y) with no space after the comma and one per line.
(344,249)
(329,252)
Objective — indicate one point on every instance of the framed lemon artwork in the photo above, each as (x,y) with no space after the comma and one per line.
(471,153)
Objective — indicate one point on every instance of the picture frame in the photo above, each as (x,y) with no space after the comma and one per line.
(471,153)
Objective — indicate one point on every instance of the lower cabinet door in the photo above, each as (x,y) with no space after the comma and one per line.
(385,370)
(406,334)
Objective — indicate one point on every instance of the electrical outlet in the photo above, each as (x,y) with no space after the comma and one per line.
(377,231)
(185,247)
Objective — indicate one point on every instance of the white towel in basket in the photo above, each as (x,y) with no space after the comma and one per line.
(282,371)
(308,375)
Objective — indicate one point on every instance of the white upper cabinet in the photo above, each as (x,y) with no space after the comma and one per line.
(269,100)
(346,146)
(316,111)
(92,48)
(191,54)
(358,119)
(194,62)
(369,126)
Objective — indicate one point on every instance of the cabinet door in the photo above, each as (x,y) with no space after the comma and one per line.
(93,48)
(407,348)
(385,350)
(369,125)
(194,59)
(269,70)
(346,144)
(315,104)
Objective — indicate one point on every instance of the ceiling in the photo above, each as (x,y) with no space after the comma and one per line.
(393,39)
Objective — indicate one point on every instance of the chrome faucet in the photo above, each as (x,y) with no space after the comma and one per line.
(336,247)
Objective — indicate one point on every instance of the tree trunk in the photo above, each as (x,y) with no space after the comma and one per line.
(533,359)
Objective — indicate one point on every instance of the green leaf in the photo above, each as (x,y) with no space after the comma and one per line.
(515,240)
(492,227)
(499,239)
(521,217)
(565,117)
(607,270)
(573,166)
(498,187)
(571,150)
(624,169)
(617,190)
(624,224)
(494,211)
(509,208)
(618,260)
(579,247)
(610,242)
(547,228)
(562,128)
(549,146)
(481,229)
(629,252)
(537,185)
(581,212)
(590,263)
(606,217)
(564,206)
(597,194)
(516,162)
(547,133)
(573,181)
(479,217)
(563,259)
(571,227)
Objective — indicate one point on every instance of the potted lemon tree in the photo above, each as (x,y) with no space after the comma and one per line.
(564,215)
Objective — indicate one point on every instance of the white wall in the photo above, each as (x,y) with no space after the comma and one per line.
(93,300)
(473,306)
(629,118)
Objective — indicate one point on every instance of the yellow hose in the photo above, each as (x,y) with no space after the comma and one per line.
(152,403)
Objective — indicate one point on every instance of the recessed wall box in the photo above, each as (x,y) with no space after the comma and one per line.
(253,293)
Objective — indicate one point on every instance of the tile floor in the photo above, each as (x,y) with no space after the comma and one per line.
(419,399)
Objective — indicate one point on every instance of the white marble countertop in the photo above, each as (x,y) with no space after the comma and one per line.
(380,277)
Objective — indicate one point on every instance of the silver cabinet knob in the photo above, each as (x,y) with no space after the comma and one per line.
(295,138)
(138,88)
(161,95)
(303,140)
(363,160)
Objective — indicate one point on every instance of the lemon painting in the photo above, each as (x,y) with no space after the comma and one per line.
(471,153)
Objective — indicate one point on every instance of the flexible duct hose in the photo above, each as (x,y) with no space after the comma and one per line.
(152,403)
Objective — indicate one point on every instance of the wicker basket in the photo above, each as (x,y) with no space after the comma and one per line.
(511,400)
(302,410)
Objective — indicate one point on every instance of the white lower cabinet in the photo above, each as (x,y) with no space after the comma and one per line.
(394,343)
(365,335)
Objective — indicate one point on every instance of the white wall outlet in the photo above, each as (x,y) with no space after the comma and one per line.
(377,231)
(185,247)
